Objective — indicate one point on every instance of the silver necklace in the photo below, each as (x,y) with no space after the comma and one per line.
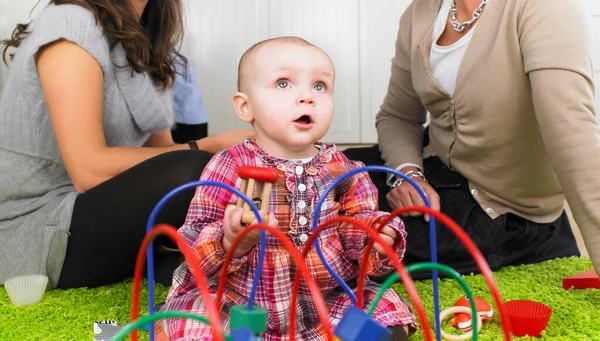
(461,26)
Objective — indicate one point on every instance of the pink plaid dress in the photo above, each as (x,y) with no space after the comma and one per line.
(293,200)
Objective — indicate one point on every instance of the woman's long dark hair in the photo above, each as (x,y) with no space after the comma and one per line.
(151,44)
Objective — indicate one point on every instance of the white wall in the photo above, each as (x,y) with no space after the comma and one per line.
(378,32)
(13,12)
(218,33)
(358,34)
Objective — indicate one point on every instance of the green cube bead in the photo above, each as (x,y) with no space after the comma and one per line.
(255,319)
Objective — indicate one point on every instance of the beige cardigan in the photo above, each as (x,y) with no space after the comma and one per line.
(521,126)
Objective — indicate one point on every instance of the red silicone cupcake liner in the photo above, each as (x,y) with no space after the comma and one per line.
(527,317)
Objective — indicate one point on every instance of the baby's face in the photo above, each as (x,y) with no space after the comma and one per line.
(290,90)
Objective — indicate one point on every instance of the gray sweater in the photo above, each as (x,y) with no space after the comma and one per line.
(36,193)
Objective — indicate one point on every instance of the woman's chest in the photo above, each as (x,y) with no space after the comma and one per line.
(133,107)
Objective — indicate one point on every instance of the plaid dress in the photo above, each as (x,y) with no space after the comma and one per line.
(293,200)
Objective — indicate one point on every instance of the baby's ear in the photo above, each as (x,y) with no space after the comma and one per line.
(241,104)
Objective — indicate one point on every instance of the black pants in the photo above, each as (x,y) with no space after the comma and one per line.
(109,220)
(506,240)
(183,133)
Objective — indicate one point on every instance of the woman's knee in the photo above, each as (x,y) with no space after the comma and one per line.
(184,165)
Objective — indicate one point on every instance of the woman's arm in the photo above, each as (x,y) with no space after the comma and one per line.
(72,81)
(557,55)
(162,138)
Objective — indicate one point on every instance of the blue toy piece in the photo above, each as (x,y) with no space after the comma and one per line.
(242,334)
(356,325)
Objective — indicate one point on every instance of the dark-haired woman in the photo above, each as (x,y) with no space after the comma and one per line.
(85,140)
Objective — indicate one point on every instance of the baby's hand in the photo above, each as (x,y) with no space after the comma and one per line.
(389,236)
(232,225)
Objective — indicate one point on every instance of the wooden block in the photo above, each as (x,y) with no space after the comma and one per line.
(584,280)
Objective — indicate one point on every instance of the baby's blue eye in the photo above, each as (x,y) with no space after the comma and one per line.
(319,87)
(282,84)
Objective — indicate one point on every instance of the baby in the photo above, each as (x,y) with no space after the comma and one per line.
(286,90)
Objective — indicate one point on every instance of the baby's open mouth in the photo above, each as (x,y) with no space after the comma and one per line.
(304,119)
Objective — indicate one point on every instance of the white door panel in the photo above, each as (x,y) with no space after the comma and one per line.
(378,31)
(216,35)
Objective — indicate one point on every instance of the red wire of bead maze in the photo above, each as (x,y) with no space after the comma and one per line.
(298,259)
(197,273)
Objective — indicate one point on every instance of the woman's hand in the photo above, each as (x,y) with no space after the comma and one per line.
(406,195)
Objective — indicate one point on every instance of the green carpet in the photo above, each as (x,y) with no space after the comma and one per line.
(69,315)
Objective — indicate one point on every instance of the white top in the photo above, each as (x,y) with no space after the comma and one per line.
(444,61)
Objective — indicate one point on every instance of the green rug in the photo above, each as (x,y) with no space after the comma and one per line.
(70,314)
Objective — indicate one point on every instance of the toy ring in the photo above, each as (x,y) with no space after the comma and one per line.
(453,310)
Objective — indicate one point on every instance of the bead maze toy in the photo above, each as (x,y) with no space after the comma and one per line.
(248,322)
